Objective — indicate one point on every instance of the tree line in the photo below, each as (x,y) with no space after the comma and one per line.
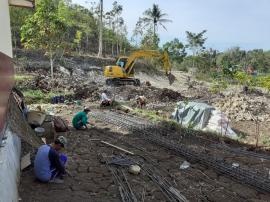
(58,26)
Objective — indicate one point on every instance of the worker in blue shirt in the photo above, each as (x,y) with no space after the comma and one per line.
(49,165)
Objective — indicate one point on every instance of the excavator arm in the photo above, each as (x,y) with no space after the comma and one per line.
(148,53)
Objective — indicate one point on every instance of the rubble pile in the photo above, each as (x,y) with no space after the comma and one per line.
(79,80)
(153,94)
(85,91)
(198,92)
(241,107)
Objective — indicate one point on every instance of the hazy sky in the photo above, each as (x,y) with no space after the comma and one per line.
(244,23)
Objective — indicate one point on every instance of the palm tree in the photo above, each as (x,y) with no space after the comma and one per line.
(154,17)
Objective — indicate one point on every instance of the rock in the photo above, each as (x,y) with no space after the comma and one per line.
(244,107)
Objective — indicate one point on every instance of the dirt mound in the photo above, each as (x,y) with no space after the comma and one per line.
(169,95)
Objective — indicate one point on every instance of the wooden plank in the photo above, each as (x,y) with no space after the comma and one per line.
(116,147)
(21,3)
(25,161)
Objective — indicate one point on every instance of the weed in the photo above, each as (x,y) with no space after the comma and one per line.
(218,86)
(37,96)
(22,77)
(152,115)
(266,141)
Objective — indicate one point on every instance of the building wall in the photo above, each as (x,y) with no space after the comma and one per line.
(10,149)
(5,33)
(9,167)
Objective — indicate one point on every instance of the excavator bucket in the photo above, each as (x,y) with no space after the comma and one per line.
(171,78)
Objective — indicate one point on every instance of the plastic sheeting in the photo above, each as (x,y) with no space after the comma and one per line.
(201,116)
(192,114)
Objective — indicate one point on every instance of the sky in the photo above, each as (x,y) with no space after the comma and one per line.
(229,23)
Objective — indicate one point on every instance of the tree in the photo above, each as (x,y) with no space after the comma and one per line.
(17,19)
(117,25)
(100,29)
(45,29)
(152,18)
(149,41)
(77,40)
(78,18)
(206,60)
(176,50)
(258,59)
(195,42)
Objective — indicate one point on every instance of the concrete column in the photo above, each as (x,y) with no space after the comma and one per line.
(5,33)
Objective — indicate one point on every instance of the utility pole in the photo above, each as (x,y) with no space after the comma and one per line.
(100,29)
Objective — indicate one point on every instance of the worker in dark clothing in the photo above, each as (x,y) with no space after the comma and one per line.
(49,165)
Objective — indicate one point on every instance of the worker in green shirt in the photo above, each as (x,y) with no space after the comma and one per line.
(80,120)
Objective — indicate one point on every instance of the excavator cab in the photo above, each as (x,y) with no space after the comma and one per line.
(121,61)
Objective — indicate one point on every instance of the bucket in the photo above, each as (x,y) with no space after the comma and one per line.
(39,131)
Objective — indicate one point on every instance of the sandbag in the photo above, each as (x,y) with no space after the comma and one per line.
(59,124)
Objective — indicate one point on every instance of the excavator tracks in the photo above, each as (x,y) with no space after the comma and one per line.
(121,82)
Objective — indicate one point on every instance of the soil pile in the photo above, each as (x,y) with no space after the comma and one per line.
(169,95)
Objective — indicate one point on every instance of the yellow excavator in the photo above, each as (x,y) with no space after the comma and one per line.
(123,72)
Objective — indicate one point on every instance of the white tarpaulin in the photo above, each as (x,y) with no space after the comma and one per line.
(204,117)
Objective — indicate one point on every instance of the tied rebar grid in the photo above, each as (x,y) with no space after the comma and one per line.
(240,151)
(241,175)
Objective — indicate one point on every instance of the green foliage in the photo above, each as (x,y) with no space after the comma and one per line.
(37,96)
(21,77)
(218,86)
(264,82)
(151,115)
(152,18)
(266,140)
(18,17)
(150,41)
(195,41)
(176,50)
(246,79)
(63,20)
(45,29)
(237,58)
(78,39)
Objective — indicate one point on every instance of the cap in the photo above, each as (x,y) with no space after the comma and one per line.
(62,140)
(86,109)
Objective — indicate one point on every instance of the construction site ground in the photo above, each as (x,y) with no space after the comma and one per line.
(90,179)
